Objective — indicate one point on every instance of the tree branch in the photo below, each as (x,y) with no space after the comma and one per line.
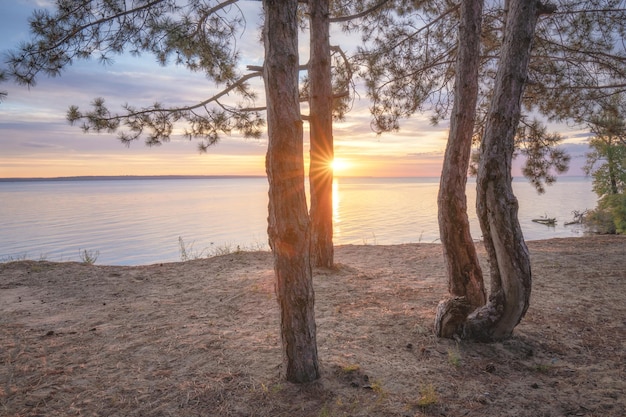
(364,13)
(96,23)
(545,8)
(259,68)
(569,12)
(203,103)
(426,27)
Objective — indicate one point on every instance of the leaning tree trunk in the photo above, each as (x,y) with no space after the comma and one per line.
(288,221)
(321,122)
(465,279)
(496,204)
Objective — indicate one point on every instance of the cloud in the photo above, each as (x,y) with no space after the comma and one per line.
(576,150)
(38,3)
(581,135)
(38,145)
(425,154)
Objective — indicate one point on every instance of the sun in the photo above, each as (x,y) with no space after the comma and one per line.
(339,165)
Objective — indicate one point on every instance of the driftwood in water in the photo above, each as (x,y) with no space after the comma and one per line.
(548,221)
(579,217)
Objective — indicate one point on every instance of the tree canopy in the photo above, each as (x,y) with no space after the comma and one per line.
(606,161)
(577,58)
(201,36)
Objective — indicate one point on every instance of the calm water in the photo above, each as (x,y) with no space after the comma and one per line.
(133,222)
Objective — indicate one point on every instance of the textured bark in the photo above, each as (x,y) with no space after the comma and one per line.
(451,315)
(496,204)
(322,152)
(465,279)
(288,221)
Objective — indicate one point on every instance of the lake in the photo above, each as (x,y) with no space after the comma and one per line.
(140,221)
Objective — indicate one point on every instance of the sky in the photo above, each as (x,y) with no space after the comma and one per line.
(37,141)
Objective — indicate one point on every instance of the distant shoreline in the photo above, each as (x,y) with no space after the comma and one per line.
(130,177)
(217,177)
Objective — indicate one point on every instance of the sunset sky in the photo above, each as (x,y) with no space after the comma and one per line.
(36,140)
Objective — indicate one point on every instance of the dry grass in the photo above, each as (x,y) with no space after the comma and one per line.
(200,338)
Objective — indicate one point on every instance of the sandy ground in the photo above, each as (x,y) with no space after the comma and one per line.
(200,338)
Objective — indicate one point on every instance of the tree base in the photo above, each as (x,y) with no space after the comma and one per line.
(451,316)
(456,318)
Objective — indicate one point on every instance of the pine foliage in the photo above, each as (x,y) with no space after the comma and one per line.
(199,35)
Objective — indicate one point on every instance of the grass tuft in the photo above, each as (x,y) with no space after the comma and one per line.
(350,368)
(428,396)
(454,357)
(188,253)
(88,257)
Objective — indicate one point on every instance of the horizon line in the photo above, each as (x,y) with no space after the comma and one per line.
(167,176)
(225,176)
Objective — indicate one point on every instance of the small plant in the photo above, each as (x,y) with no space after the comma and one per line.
(350,368)
(225,249)
(542,368)
(428,396)
(271,389)
(276,388)
(264,388)
(454,357)
(88,257)
(182,248)
(187,252)
(23,257)
(9,258)
(377,387)
(324,412)
(367,242)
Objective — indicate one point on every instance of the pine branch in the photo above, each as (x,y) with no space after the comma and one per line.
(341,19)
(159,121)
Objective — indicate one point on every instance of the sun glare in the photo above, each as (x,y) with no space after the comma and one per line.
(339,165)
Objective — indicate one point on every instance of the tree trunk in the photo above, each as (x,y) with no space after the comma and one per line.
(321,122)
(496,204)
(612,164)
(465,279)
(288,221)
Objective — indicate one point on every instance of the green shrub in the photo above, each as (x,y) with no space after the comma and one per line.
(610,215)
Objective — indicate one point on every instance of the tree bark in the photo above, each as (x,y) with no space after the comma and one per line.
(288,221)
(321,122)
(465,279)
(612,161)
(496,204)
